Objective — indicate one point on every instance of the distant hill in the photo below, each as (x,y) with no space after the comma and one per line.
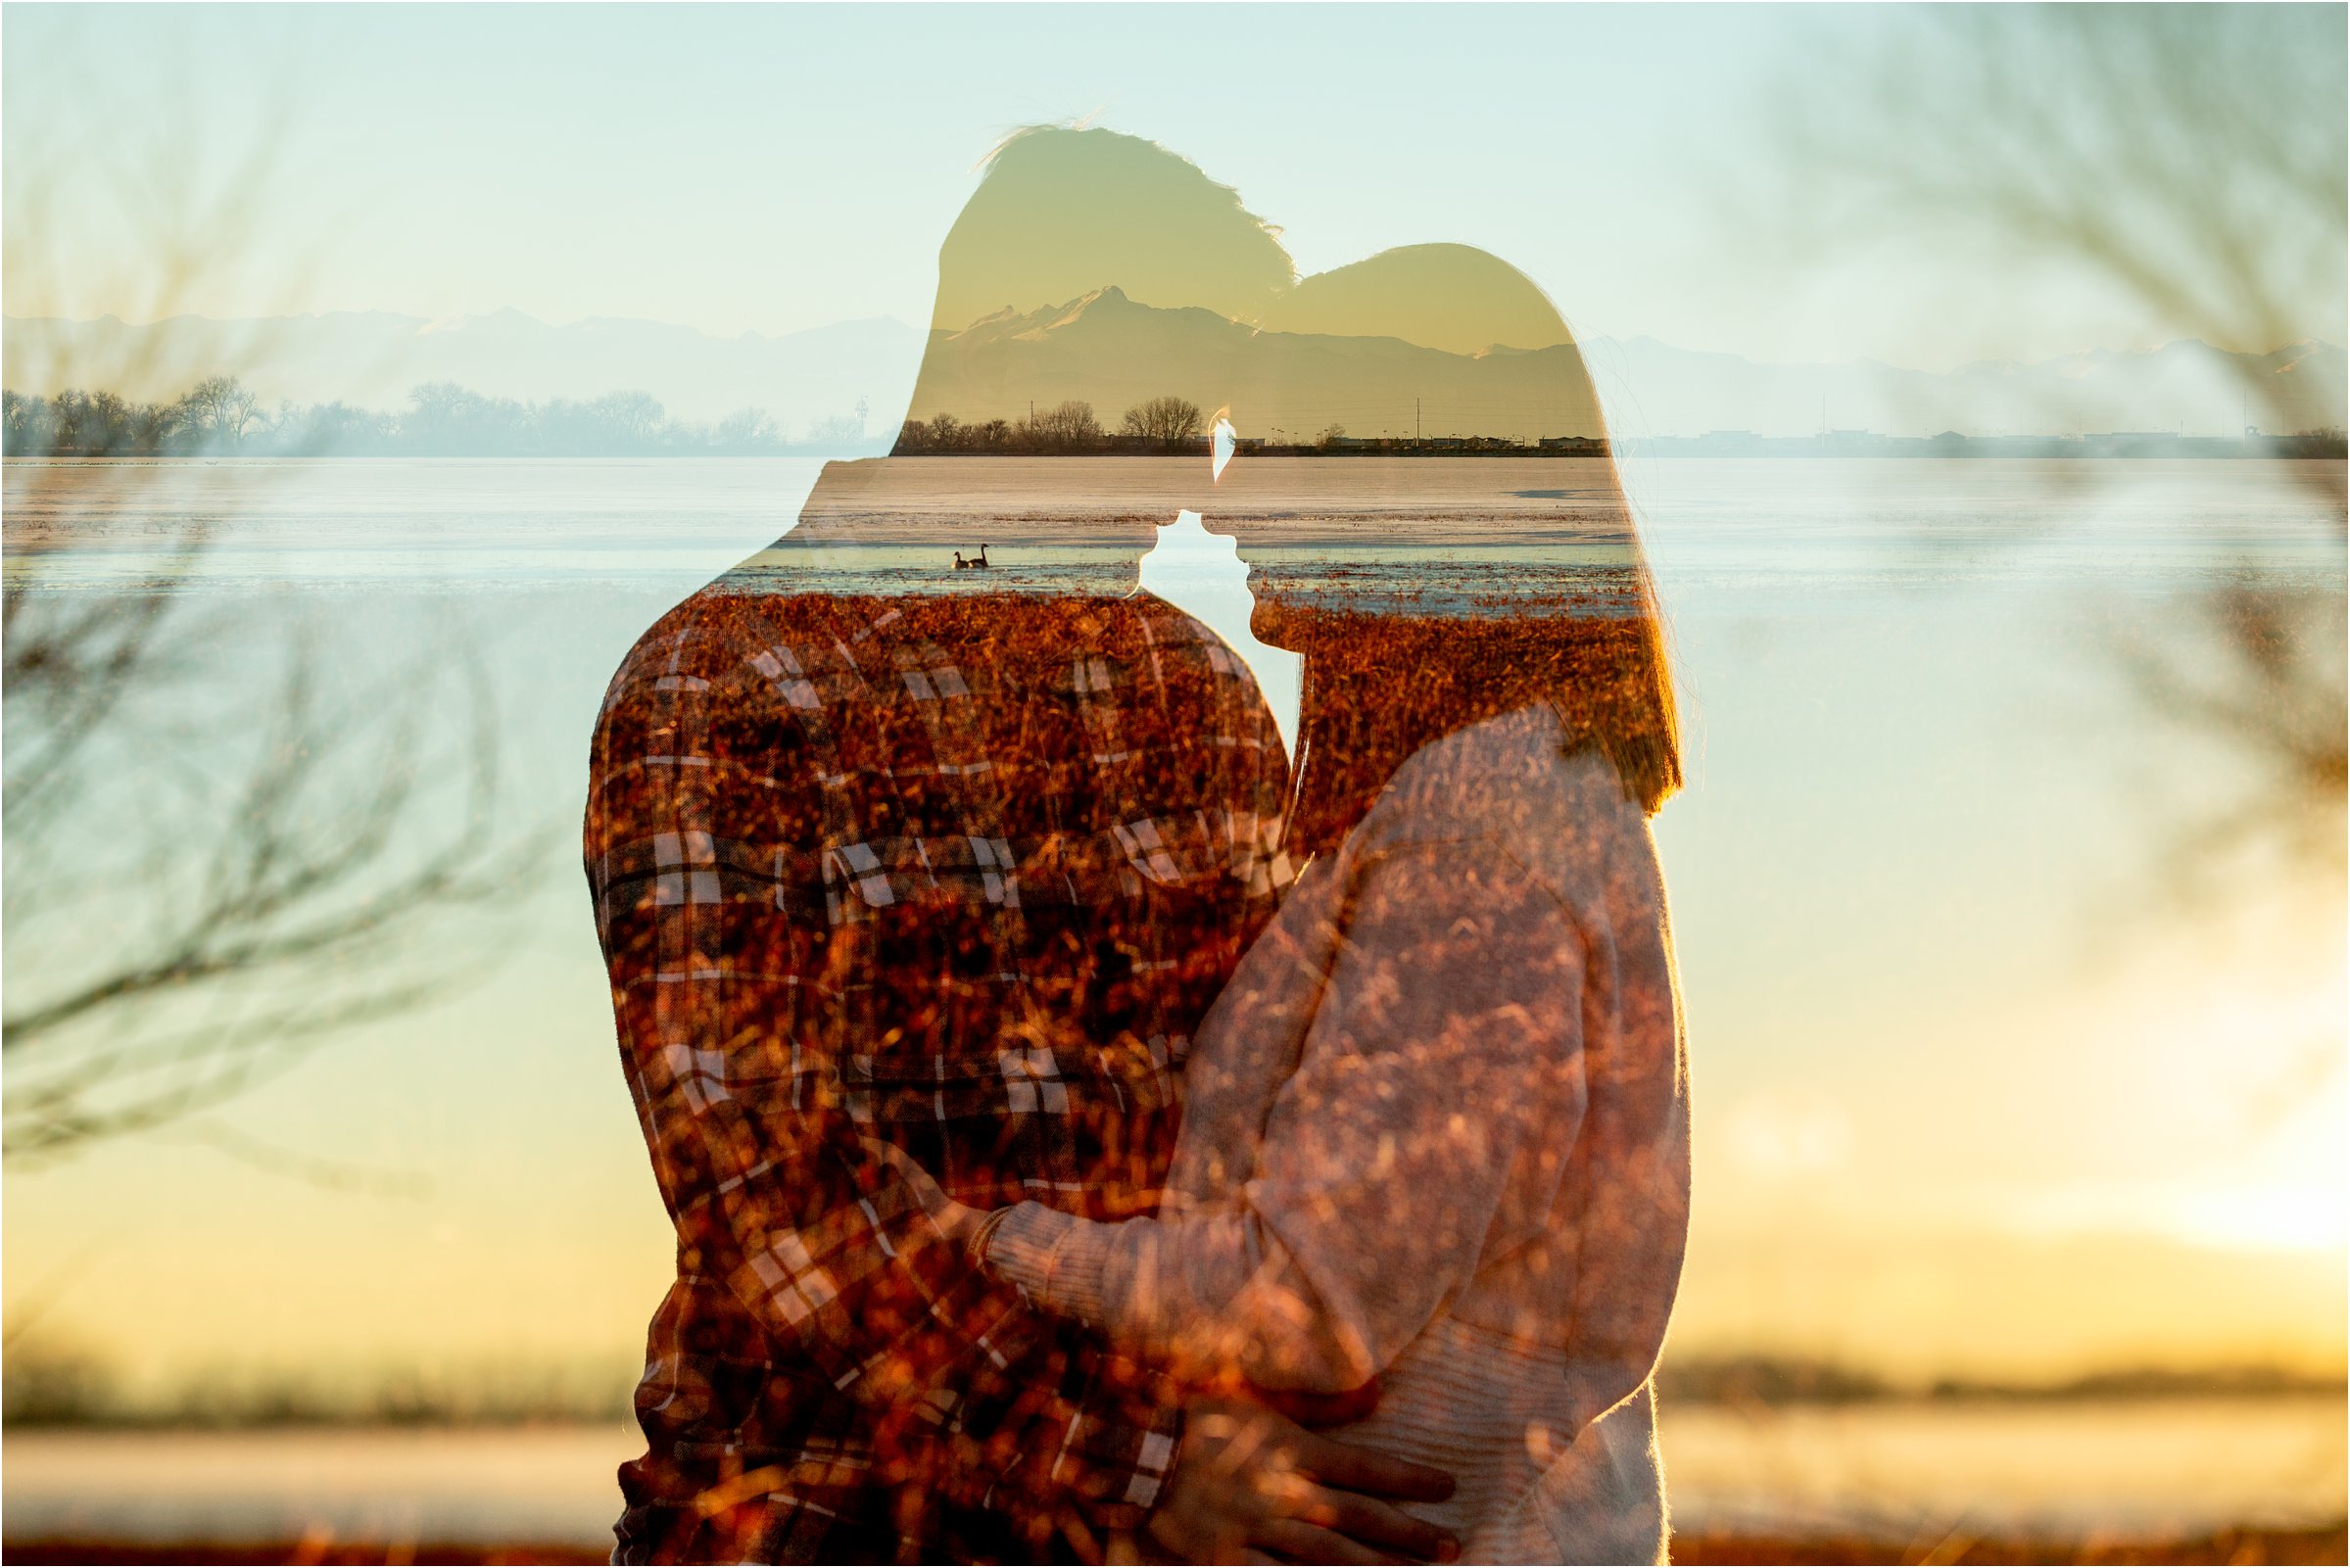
(1094,347)
(371,358)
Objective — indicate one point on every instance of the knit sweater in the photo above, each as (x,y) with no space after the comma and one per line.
(1436,1134)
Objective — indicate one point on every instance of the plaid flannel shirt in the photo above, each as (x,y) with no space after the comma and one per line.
(957,872)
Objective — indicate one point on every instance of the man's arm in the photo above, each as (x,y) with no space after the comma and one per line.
(1442,1065)
(727,982)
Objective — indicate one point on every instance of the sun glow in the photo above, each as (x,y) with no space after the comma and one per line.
(2283,1215)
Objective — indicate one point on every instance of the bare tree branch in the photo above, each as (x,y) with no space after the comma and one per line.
(2117,143)
(219,867)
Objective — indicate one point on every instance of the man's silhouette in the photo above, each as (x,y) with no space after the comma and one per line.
(954,872)
(954,869)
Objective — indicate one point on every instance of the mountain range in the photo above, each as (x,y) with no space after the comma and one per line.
(371,358)
(1114,353)
(1092,346)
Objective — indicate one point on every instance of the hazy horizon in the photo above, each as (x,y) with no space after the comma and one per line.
(851,381)
(819,329)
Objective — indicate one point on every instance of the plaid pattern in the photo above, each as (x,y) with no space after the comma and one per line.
(959,872)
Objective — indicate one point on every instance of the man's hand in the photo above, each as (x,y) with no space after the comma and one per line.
(1250,1485)
(959,1221)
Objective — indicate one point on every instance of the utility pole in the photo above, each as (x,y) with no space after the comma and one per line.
(1416,435)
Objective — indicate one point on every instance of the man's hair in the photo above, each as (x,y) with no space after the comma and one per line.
(1062,211)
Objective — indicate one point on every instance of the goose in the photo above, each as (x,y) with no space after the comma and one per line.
(978,562)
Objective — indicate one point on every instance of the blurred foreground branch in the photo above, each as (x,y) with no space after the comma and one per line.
(223,847)
(228,833)
(2118,145)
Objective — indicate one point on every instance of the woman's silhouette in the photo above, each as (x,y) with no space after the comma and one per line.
(1434,1160)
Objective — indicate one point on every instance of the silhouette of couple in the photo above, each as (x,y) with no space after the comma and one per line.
(1088,1136)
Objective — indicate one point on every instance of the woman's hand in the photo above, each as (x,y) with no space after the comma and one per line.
(959,1221)
(1250,1485)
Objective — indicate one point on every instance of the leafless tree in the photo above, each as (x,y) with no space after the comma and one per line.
(221,848)
(222,844)
(2189,160)
(224,409)
(746,428)
(1168,421)
(633,416)
(1070,426)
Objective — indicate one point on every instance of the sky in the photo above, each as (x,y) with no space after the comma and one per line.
(750,169)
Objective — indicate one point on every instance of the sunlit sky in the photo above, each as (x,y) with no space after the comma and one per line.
(1934,1137)
(738,167)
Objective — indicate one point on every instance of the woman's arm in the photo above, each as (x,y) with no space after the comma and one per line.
(1436,1099)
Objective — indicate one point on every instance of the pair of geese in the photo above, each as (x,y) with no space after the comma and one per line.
(1223,442)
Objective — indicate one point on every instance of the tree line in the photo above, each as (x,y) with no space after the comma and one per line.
(1177,425)
(220,416)
(1162,424)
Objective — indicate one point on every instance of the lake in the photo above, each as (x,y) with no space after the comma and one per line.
(483,524)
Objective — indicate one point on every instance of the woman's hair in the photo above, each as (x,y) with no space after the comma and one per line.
(1382,682)
(1381,686)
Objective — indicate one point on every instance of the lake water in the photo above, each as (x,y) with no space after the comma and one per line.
(2066,1472)
(1720,525)
(1776,539)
